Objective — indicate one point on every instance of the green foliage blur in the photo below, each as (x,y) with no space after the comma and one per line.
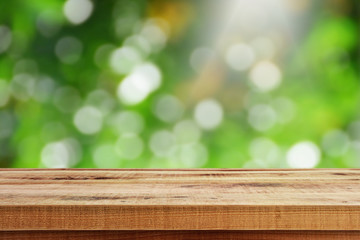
(179,84)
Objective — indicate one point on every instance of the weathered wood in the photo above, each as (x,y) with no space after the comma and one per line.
(193,199)
(180,235)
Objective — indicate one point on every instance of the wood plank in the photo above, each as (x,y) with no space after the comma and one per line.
(185,199)
(181,235)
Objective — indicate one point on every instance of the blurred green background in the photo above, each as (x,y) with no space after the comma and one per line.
(179,84)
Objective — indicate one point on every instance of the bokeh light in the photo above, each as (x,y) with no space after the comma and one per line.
(168,108)
(180,84)
(88,120)
(303,155)
(240,57)
(265,76)
(61,154)
(123,60)
(208,114)
(139,84)
(78,11)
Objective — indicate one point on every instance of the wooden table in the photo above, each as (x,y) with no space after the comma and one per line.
(179,204)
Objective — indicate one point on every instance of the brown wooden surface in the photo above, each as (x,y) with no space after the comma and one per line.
(193,199)
(181,235)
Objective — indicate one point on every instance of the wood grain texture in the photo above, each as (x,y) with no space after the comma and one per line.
(181,235)
(187,199)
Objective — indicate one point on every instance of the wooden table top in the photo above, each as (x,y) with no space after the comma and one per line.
(184,199)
